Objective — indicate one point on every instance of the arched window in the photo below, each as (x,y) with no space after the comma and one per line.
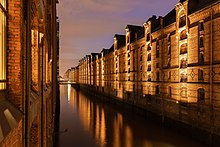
(183,35)
(182,21)
(183,92)
(201,94)
(3,45)
(183,48)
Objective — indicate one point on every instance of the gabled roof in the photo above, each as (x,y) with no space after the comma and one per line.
(196,5)
(135,31)
(169,18)
(120,39)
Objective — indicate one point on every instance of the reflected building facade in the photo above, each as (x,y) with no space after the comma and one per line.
(169,66)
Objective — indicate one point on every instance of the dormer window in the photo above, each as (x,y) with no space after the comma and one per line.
(201,26)
(148,37)
(182,21)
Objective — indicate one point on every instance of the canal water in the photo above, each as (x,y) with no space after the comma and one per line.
(87,122)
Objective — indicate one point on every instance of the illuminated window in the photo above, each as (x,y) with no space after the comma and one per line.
(183,63)
(3,45)
(149,57)
(201,94)
(183,48)
(157,49)
(34,60)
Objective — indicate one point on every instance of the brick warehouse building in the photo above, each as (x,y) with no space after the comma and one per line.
(169,66)
(28,72)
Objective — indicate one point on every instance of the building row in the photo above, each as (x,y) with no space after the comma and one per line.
(28,72)
(170,65)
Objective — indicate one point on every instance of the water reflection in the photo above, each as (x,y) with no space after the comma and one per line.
(92,123)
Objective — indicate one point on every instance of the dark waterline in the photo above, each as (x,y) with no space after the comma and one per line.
(90,123)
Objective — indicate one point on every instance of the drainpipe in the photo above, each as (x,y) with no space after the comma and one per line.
(28,73)
(211,77)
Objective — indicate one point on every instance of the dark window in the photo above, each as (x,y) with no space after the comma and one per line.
(128,70)
(128,47)
(149,78)
(141,58)
(169,39)
(201,58)
(201,26)
(168,62)
(157,65)
(133,87)
(128,62)
(169,75)
(157,53)
(148,37)
(182,21)
(157,75)
(148,47)
(201,74)
(169,91)
(157,90)
(149,67)
(128,54)
(201,42)
(201,94)
(141,68)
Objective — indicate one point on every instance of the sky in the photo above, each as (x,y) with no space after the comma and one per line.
(88,26)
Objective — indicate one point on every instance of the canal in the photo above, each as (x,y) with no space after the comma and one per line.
(86,122)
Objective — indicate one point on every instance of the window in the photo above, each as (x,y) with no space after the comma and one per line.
(157,75)
(169,75)
(201,42)
(128,47)
(183,92)
(148,37)
(183,49)
(128,39)
(201,26)
(183,63)
(34,60)
(183,35)
(140,68)
(157,90)
(201,94)
(200,74)
(158,49)
(2,46)
(149,67)
(141,58)
(157,65)
(149,57)
(183,77)
(169,50)
(201,58)
(149,78)
(148,47)
(169,91)
(182,21)
(128,62)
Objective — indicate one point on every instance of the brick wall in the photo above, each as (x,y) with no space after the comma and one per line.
(14,56)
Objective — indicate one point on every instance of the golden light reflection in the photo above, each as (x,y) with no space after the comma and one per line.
(69,92)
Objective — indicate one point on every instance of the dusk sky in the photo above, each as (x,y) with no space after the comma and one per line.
(89,25)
